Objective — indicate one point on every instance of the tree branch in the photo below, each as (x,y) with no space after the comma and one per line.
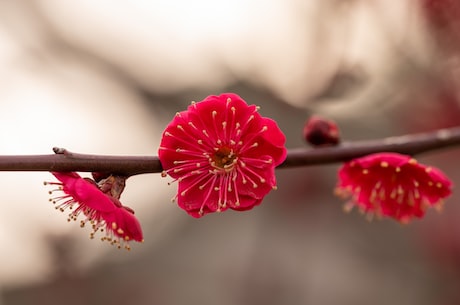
(65,161)
(411,144)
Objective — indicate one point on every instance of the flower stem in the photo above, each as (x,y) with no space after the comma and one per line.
(65,161)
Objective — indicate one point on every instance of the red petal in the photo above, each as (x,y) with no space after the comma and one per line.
(123,224)
(84,192)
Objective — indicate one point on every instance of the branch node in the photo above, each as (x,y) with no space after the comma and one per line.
(61,151)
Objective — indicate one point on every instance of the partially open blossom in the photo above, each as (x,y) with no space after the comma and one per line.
(319,131)
(222,153)
(392,185)
(99,206)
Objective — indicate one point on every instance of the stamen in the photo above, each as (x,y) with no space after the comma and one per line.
(205,201)
(190,152)
(246,178)
(197,181)
(233,181)
(190,123)
(186,165)
(187,143)
(261,179)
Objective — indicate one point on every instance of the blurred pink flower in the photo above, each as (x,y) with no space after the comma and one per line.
(392,185)
(102,211)
(441,12)
(443,20)
(223,155)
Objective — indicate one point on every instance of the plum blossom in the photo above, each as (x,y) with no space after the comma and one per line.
(99,204)
(222,153)
(392,185)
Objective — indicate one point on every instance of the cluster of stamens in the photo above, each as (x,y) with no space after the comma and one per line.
(111,237)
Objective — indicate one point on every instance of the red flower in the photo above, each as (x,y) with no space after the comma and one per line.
(393,185)
(102,210)
(223,155)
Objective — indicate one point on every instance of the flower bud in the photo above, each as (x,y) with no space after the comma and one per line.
(319,131)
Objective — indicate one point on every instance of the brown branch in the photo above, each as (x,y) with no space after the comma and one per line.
(64,160)
(411,144)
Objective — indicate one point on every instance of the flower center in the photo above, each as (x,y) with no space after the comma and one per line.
(224,158)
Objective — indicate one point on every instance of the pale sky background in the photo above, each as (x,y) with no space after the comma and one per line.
(50,97)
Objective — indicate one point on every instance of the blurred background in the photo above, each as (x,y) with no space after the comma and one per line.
(107,76)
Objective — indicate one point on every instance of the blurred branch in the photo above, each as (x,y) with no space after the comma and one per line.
(65,161)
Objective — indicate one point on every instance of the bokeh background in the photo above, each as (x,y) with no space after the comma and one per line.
(107,76)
